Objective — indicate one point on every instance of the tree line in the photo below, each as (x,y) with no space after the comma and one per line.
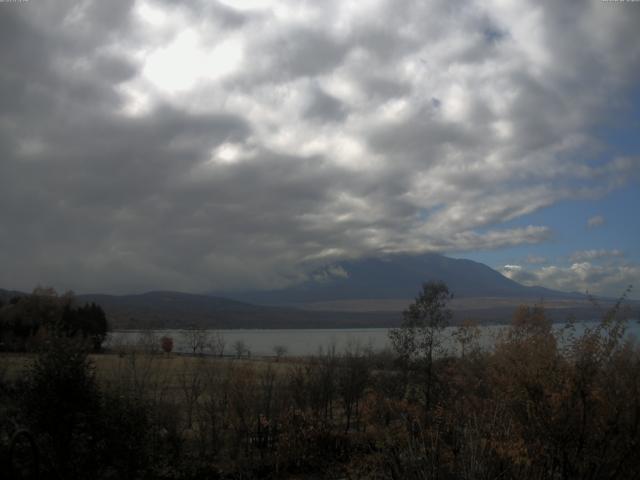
(29,321)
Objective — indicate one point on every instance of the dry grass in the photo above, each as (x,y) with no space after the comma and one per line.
(170,369)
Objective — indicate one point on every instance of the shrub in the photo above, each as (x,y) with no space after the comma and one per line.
(61,403)
(166,343)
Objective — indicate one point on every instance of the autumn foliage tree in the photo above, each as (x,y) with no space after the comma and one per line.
(166,343)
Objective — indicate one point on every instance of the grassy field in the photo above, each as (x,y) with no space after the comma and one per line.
(170,369)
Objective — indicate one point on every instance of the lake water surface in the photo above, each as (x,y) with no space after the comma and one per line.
(309,341)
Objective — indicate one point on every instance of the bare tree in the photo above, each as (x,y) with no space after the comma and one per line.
(321,383)
(196,339)
(353,379)
(148,342)
(215,401)
(467,336)
(217,344)
(136,374)
(280,351)
(192,386)
(240,347)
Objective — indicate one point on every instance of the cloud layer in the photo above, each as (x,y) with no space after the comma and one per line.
(211,145)
(602,278)
(595,221)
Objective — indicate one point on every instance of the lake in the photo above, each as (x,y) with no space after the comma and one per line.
(309,341)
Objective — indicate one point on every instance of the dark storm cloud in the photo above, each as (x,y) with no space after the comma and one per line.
(210,11)
(325,107)
(293,136)
(113,70)
(111,187)
(289,53)
(379,87)
(307,52)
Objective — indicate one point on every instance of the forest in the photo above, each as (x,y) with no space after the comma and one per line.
(536,405)
(28,322)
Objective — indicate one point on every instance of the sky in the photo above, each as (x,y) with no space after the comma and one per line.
(218,145)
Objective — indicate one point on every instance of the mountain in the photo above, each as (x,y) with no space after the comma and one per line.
(175,309)
(400,277)
(6,295)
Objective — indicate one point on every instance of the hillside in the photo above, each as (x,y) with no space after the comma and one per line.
(183,310)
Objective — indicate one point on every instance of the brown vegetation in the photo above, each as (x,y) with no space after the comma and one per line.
(534,407)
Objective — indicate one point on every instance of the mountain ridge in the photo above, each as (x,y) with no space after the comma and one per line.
(398,277)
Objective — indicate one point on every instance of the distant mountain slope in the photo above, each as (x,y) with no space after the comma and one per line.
(177,302)
(399,277)
(6,295)
(182,310)
(176,309)
(166,309)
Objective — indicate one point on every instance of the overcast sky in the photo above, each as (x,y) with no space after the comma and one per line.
(203,146)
